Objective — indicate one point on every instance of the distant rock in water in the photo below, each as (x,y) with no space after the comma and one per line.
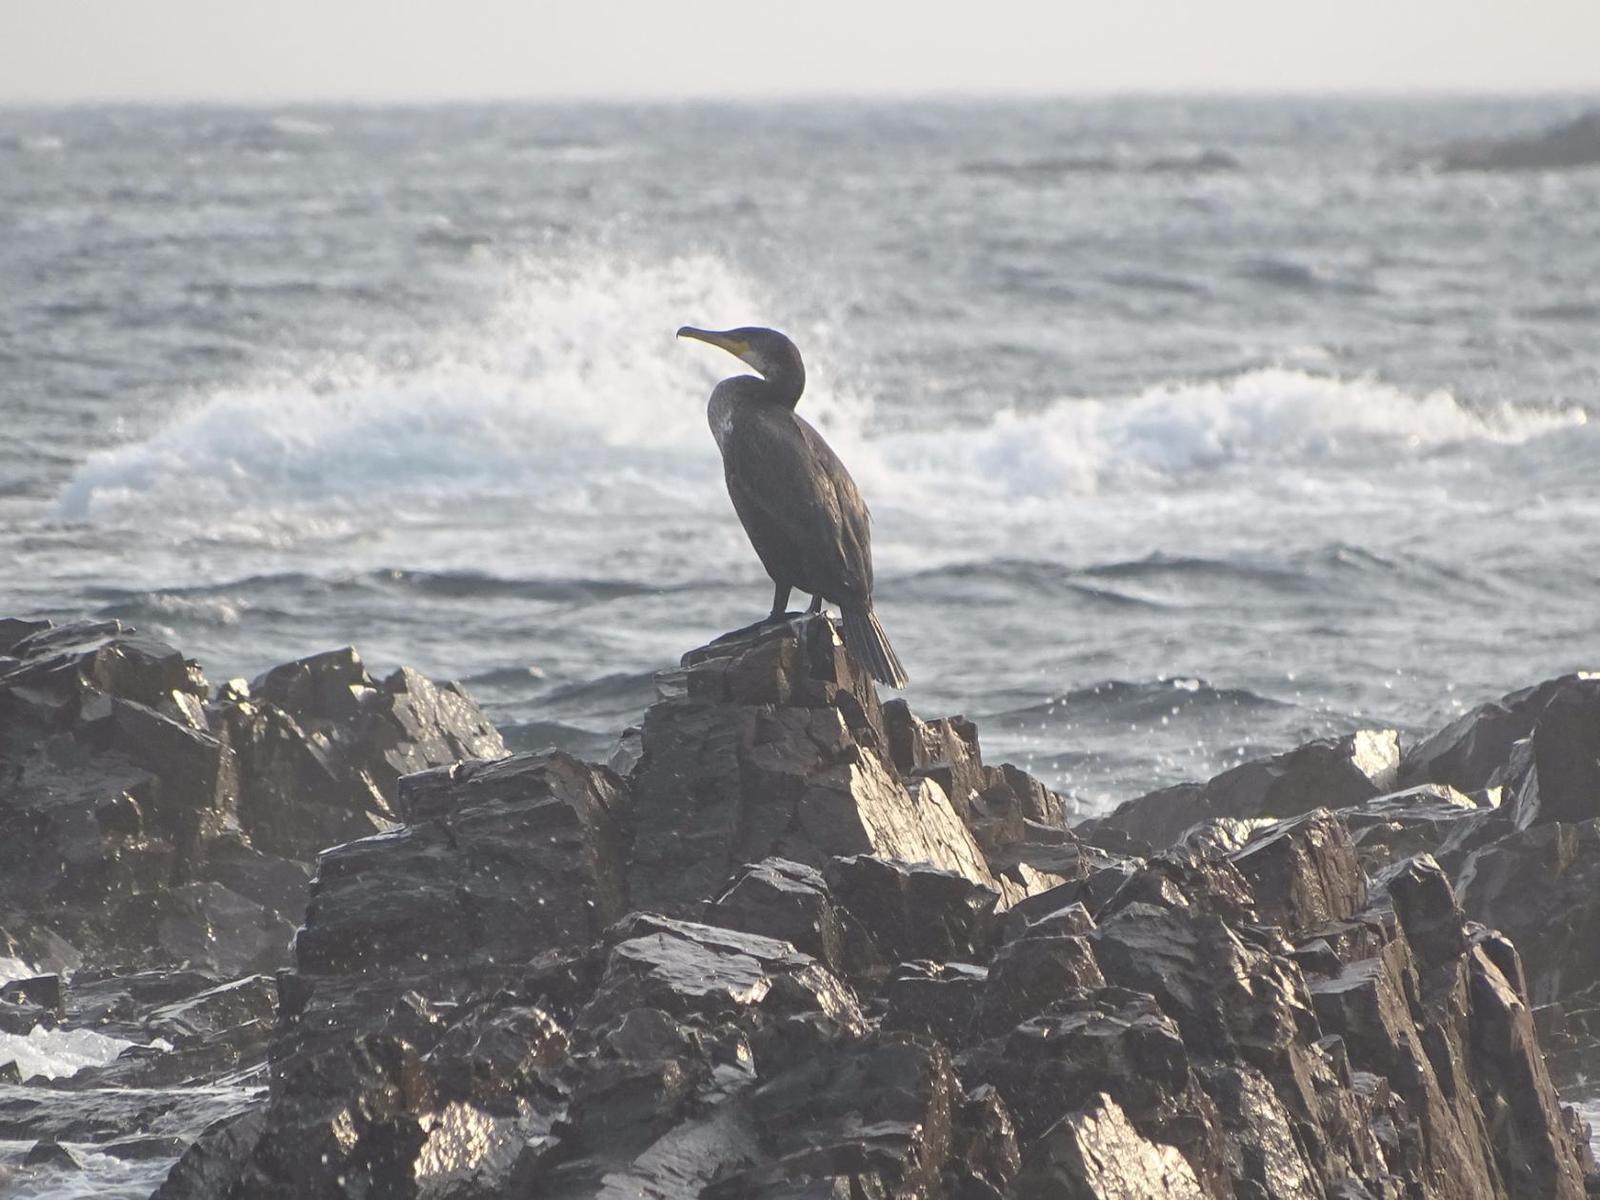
(807,945)
(1565,147)
(1045,169)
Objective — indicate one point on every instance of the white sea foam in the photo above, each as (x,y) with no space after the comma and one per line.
(1179,430)
(298,127)
(575,397)
(54,1053)
(15,968)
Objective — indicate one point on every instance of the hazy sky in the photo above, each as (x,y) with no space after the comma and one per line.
(53,50)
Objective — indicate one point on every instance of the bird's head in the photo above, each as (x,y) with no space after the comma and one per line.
(768,352)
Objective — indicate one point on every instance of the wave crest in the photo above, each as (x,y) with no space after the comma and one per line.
(574,397)
(1269,416)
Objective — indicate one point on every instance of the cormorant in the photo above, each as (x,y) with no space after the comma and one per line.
(805,518)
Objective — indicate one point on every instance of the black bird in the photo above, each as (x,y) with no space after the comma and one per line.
(799,505)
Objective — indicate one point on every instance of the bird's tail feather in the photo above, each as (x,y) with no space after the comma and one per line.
(867,641)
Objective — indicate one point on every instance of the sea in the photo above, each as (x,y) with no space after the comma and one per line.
(1192,428)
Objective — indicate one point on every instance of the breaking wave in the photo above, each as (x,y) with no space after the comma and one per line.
(574,397)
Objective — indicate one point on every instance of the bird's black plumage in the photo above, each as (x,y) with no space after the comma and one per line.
(802,511)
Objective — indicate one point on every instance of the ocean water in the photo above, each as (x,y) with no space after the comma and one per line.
(1168,467)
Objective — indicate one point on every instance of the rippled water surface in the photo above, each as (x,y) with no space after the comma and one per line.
(1168,465)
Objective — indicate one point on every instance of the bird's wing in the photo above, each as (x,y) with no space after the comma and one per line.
(790,475)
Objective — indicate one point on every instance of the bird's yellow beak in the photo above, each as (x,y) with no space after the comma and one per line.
(737,347)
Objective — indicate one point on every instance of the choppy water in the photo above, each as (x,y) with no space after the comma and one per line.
(1166,466)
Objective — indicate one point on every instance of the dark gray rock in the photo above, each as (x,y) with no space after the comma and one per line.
(41,991)
(1109,1040)
(915,910)
(772,743)
(1333,773)
(998,804)
(211,1165)
(322,745)
(112,787)
(1541,887)
(1303,871)
(941,1000)
(1565,147)
(1430,818)
(811,946)
(1030,974)
(53,1155)
(877,1115)
(504,861)
(686,969)
(1422,1013)
(785,900)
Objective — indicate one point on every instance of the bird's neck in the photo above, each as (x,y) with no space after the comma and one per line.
(782,388)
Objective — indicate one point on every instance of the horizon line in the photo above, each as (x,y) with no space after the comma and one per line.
(841,96)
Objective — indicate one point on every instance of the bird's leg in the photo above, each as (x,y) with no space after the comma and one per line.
(780,601)
(816,604)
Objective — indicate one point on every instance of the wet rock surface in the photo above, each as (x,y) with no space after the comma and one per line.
(808,945)
(160,843)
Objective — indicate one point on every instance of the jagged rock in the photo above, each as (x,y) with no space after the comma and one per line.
(878,1115)
(1558,776)
(208,927)
(62,673)
(54,1155)
(322,745)
(1109,1040)
(1541,887)
(41,991)
(938,999)
(791,902)
(1303,871)
(1104,876)
(913,910)
(505,860)
(20,1018)
(211,1165)
(1332,773)
(776,746)
(1097,1152)
(1472,752)
(743,970)
(1029,974)
(986,1155)
(1226,993)
(125,791)
(1180,878)
(1428,1010)
(111,785)
(686,969)
(999,804)
(238,1014)
(1430,818)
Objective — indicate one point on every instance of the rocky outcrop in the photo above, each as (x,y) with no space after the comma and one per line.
(1565,147)
(152,824)
(1333,773)
(796,951)
(808,945)
(158,855)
